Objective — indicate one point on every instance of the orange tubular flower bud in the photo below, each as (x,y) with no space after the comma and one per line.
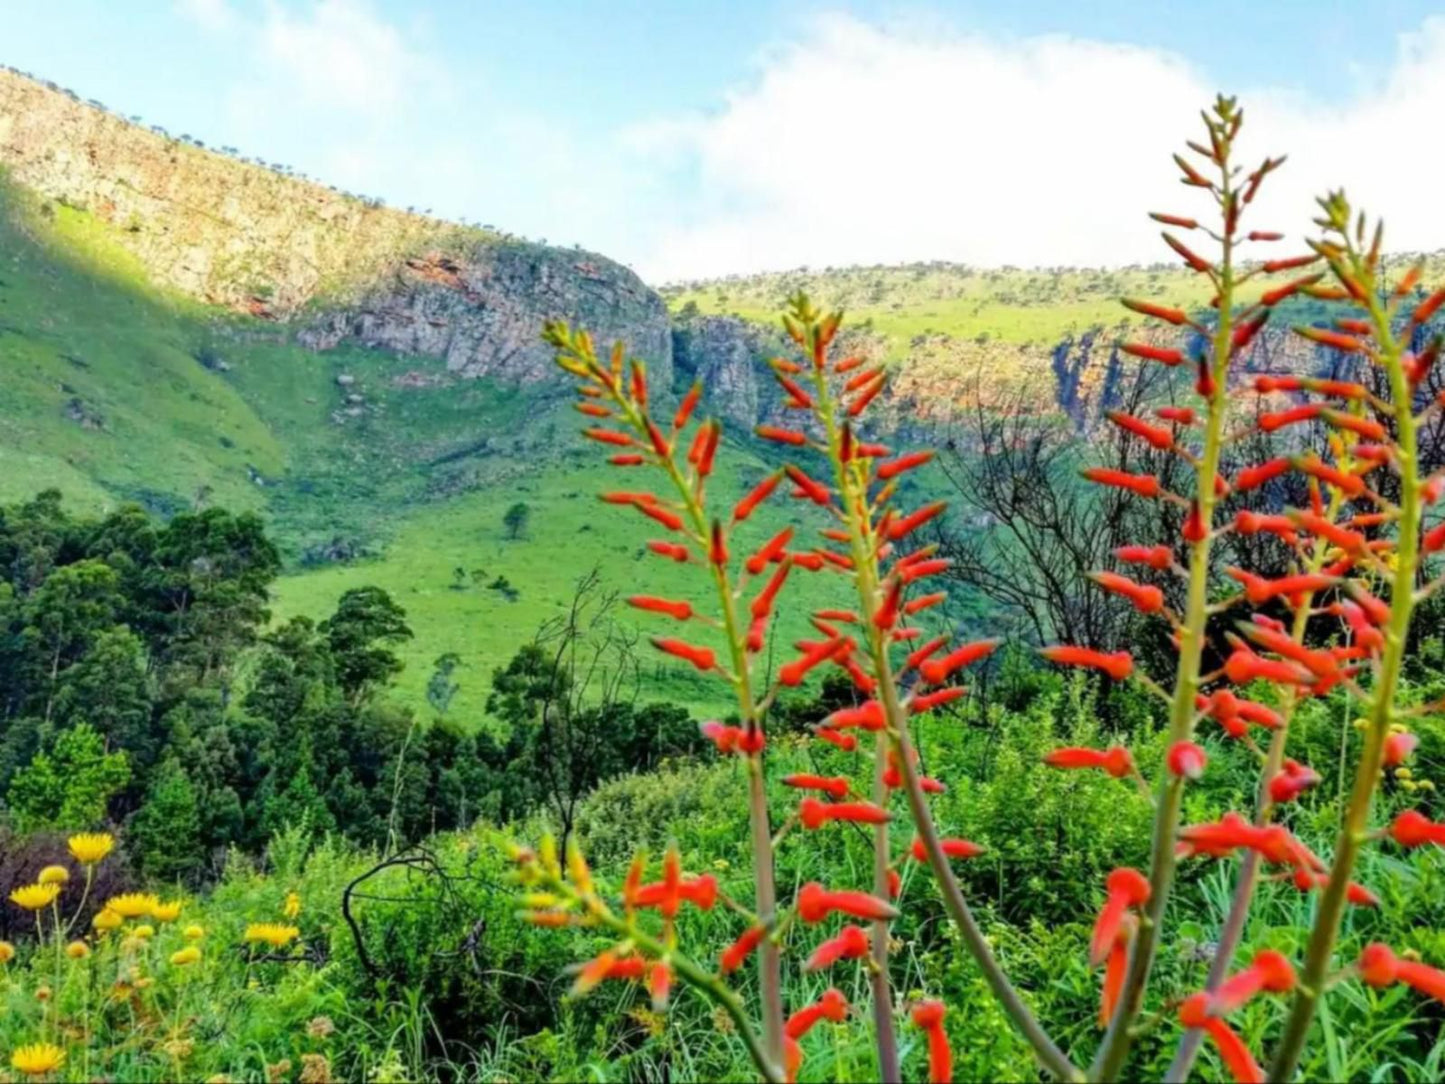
(866,716)
(846,742)
(935,671)
(1118,665)
(814,491)
(1116,760)
(1146,599)
(866,396)
(1398,747)
(1345,343)
(781,436)
(627,460)
(953,848)
(1154,436)
(793,673)
(850,943)
(1269,423)
(1163,355)
(1145,485)
(700,657)
(673,550)
(919,654)
(1265,235)
(671,520)
(928,701)
(1244,666)
(894,467)
(592,410)
(736,954)
(1246,331)
(762,606)
(928,1015)
(816,903)
(1124,888)
(608,436)
(1191,260)
(1159,312)
(1186,760)
(1254,477)
(923,602)
(914,520)
(835,786)
(814,814)
(1177,415)
(1378,966)
(717,551)
(679,610)
(761,492)
(1158,558)
(1433,541)
(1428,307)
(1115,967)
(1238,1061)
(1349,484)
(1172,220)
(688,404)
(773,550)
(887,614)
(625,498)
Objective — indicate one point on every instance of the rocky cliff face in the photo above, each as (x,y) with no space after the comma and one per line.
(335,266)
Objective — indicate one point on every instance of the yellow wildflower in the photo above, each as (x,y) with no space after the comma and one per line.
(132,904)
(88,848)
(166,912)
(293,905)
(194,932)
(54,875)
(271,933)
(37,1059)
(77,950)
(34,897)
(188,955)
(106,919)
(7,952)
(144,931)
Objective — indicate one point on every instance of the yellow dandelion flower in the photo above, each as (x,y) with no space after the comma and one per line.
(107,919)
(166,912)
(54,875)
(88,848)
(271,933)
(188,955)
(34,897)
(77,950)
(7,952)
(293,905)
(144,930)
(194,932)
(132,904)
(37,1059)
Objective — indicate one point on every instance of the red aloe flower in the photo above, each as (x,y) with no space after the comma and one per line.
(674,550)
(1194,1013)
(894,467)
(1244,666)
(1413,829)
(1152,435)
(835,786)
(736,954)
(814,814)
(816,903)
(850,943)
(1160,354)
(953,848)
(1291,781)
(1186,760)
(1254,477)
(915,519)
(1268,972)
(1379,966)
(924,602)
(732,739)
(772,551)
(1125,888)
(1158,558)
(846,742)
(928,701)
(781,436)
(1146,598)
(1355,893)
(1145,485)
(659,985)
(928,1015)
(831,1006)
(935,671)
(866,716)
(1116,760)
(1118,665)
(761,492)
(1269,423)
(1115,966)
(1399,744)
(688,404)
(680,610)
(793,673)
(700,657)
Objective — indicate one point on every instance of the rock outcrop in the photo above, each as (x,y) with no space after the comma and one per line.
(335,266)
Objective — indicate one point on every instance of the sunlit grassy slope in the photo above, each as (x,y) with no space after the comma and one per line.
(114,391)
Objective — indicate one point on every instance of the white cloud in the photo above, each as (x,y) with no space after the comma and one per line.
(340,54)
(864,143)
(212,15)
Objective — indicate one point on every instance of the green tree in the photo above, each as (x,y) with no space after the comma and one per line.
(165,836)
(515,519)
(441,688)
(70,785)
(366,624)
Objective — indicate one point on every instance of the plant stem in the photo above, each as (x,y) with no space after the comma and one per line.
(1402,600)
(1109,1061)
(1234,923)
(889,1070)
(861,538)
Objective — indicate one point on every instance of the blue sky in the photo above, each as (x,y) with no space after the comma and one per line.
(691,138)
